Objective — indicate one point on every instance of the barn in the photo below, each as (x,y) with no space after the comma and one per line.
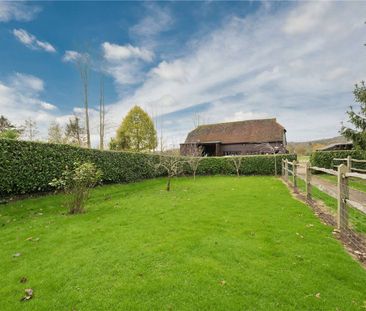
(263,136)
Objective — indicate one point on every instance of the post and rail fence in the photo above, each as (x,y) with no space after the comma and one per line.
(353,230)
(349,163)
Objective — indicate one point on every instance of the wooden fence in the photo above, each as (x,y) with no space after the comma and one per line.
(349,163)
(343,174)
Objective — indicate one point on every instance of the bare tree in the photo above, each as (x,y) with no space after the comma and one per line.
(83,64)
(101,115)
(172,164)
(74,132)
(30,129)
(195,158)
(236,161)
(55,133)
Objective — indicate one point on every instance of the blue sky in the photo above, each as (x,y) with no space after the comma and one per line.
(223,61)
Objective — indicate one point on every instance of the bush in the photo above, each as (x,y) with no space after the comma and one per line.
(77,182)
(27,167)
(325,158)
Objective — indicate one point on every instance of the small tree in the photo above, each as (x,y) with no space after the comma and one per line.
(171,164)
(194,159)
(137,132)
(77,183)
(236,161)
(358,119)
(30,129)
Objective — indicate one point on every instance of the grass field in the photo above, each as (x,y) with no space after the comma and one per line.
(220,243)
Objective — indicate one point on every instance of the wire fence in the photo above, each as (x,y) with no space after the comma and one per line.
(346,205)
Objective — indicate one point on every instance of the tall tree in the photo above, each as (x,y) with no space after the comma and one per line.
(83,64)
(101,115)
(55,133)
(357,118)
(137,132)
(30,129)
(74,132)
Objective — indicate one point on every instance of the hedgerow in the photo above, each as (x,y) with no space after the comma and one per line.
(325,158)
(27,167)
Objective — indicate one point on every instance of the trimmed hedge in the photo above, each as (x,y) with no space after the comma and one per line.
(27,167)
(325,158)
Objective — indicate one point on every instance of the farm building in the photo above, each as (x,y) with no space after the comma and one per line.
(265,136)
(337,146)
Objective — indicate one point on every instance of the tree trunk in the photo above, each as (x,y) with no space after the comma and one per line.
(87,113)
(168,184)
(101,116)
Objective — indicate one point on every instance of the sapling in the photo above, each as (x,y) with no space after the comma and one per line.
(77,183)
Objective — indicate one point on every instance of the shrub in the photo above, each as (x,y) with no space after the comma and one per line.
(27,167)
(77,182)
(325,158)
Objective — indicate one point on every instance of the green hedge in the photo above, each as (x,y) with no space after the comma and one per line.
(325,158)
(27,167)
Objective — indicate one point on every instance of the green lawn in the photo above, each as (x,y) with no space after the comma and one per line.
(220,243)
(355,183)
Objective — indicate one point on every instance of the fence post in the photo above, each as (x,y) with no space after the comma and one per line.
(308,181)
(349,163)
(342,214)
(286,170)
(294,174)
(283,167)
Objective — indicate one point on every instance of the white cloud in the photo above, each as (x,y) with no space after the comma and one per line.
(20,99)
(157,19)
(115,52)
(24,82)
(71,56)
(264,64)
(171,71)
(18,11)
(32,42)
(47,106)
(306,17)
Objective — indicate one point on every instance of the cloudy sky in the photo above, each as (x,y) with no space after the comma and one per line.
(296,61)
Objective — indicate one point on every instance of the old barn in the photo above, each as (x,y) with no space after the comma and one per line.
(264,136)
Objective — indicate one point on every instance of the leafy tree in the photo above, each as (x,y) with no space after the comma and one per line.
(358,119)
(55,133)
(8,130)
(10,134)
(137,132)
(74,132)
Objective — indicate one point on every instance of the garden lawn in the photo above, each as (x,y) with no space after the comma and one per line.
(219,243)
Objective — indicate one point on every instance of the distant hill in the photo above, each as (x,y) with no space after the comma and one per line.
(306,147)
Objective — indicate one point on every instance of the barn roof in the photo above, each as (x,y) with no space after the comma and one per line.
(249,131)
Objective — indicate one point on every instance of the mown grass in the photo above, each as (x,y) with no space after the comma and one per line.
(219,243)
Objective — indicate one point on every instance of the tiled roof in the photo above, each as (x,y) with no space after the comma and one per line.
(249,131)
